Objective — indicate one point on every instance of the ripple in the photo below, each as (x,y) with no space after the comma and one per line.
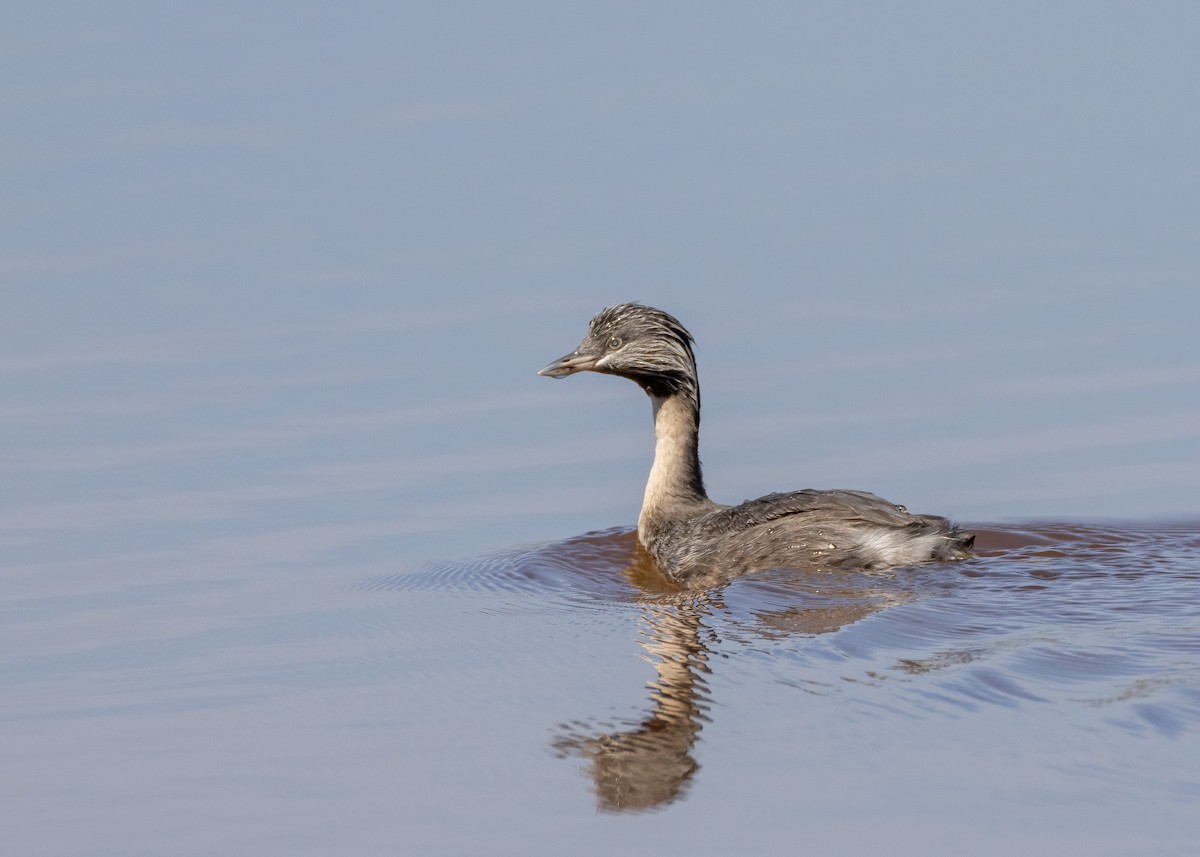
(586,567)
(1096,624)
(1075,613)
(1059,574)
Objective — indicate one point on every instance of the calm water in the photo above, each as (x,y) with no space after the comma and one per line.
(1043,698)
(289,530)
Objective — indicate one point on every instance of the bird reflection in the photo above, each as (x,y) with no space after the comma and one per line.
(650,765)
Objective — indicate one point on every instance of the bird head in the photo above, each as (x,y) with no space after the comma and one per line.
(637,342)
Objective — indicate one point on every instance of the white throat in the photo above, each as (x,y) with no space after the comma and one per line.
(672,480)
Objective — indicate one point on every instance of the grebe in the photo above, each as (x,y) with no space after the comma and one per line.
(697,541)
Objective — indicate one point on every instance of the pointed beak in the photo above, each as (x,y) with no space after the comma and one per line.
(569,365)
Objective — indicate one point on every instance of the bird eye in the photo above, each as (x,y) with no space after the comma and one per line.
(615,343)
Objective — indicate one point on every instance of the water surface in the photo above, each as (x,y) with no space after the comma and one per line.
(290,552)
(1043,696)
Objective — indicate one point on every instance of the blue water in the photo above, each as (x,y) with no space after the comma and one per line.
(293,538)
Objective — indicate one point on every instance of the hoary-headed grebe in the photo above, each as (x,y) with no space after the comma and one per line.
(697,541)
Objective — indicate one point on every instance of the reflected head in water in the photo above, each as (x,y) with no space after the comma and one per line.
(698,542)
(650,764)
(647,761)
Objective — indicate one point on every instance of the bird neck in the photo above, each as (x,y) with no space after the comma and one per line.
(676,486)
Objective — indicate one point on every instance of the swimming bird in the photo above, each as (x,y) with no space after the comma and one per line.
(697,541)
